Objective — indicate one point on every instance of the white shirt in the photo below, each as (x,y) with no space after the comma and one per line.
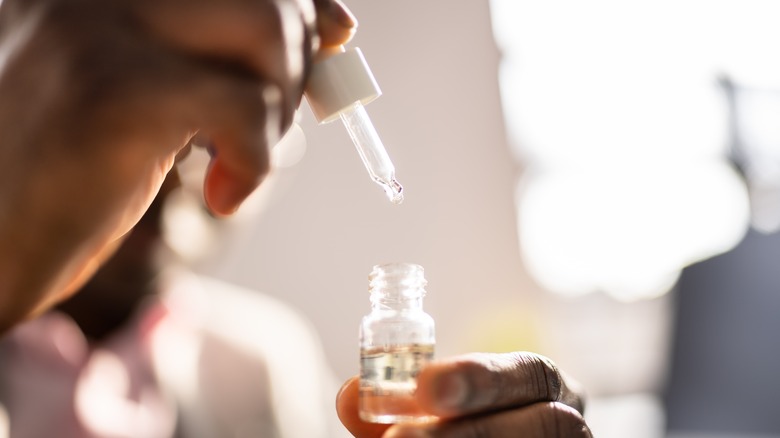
(207,360)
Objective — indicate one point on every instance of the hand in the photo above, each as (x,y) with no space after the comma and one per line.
(97,99)
(482,395)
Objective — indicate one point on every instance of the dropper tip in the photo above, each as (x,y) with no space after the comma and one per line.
(395,192)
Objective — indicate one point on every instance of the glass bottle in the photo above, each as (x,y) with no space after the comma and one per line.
(396,340)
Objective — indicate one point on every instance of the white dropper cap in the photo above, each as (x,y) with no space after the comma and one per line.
(340,83)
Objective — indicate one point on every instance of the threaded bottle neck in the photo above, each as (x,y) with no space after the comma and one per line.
(397,286)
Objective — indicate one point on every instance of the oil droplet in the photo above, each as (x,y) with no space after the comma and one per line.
(394,191)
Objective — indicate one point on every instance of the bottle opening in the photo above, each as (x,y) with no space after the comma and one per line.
(401,280)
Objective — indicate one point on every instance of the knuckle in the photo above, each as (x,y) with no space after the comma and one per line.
(285,36)
(546,379)
(271,15)
(512,378)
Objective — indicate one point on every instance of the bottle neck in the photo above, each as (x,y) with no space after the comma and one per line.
(382,301)
(397,286)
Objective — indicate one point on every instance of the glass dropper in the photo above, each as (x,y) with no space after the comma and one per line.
(339,86)
(371,150)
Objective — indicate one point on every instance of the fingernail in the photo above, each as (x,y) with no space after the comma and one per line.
(341,15)
(452,391)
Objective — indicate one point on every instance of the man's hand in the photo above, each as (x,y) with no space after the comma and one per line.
(483,395)
(98,97)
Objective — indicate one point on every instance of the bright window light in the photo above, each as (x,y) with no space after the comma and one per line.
(616,111)
(627,231)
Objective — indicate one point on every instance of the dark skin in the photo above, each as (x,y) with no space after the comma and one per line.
(502,395)
(483,395)
(98,99)
(107,302)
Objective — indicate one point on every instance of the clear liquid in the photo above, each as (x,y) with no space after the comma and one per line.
(388,379)
(393,190)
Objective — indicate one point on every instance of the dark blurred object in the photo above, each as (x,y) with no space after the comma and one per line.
(754,125)
(726,358)
(723,376)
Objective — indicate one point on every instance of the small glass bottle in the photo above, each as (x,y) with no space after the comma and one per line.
(396,340)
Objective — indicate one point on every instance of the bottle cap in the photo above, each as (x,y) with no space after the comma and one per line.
(337,81)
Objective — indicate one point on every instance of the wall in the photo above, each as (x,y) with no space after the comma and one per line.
(325,224)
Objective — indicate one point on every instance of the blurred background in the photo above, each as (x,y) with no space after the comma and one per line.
(595,181)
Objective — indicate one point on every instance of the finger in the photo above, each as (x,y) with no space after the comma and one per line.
(347,409)
(540,420)
(271,39)
(335,23)
(168,95)
(479,382)
(572,394)
(242,123)
(235,171)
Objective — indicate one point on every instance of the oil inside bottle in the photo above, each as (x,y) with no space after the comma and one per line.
(388,381)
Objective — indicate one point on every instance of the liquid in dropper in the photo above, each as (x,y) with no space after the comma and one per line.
(372,151)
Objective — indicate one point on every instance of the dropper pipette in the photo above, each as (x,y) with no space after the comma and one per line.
(339,85)
(372,151)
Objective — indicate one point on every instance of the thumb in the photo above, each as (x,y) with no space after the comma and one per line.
(347,409)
